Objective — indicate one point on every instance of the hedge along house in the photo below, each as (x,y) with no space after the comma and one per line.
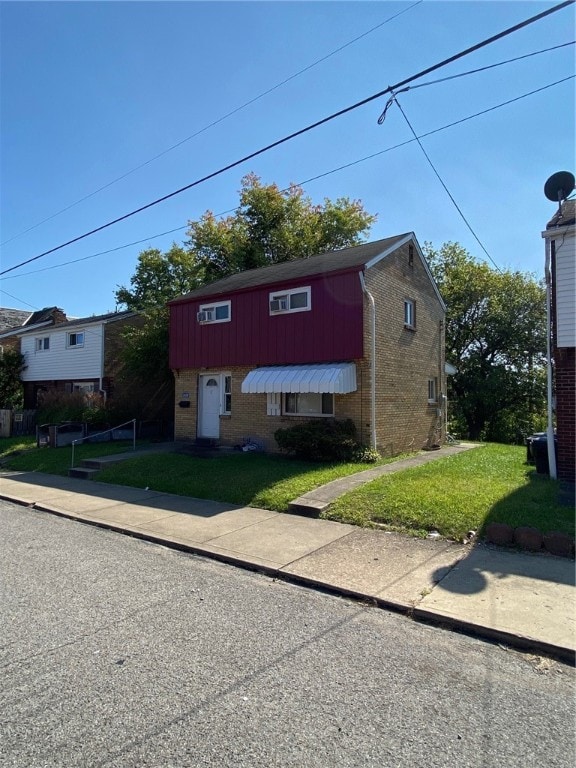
(351,334)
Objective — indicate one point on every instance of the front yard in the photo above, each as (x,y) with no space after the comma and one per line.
(452,495)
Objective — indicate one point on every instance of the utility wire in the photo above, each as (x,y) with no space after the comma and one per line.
(306,181)
(469,72)
(215,122)
(450,195)
(323,121)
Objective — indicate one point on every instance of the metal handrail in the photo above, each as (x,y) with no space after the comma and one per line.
(97,434)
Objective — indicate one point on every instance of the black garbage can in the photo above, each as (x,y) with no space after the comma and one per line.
(540,453)
(529,450)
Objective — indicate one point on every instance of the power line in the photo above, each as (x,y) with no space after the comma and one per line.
(469,72)
(215,122)
(302,131)
(465,220)
(312,178)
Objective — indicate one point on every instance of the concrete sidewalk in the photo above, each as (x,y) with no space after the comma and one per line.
(520,599)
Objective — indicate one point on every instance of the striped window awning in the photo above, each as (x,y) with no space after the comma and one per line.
(338,378)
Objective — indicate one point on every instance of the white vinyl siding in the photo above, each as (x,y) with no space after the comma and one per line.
(61,362)
(566,291)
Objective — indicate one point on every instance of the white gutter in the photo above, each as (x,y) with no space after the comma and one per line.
(372,362)
(550,426)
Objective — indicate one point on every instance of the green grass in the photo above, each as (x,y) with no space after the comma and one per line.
(255,479)
(491,483)
(54,461)
(453,495)
(251,479)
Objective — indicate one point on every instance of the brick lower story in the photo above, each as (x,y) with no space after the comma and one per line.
(403,423)
(565,375)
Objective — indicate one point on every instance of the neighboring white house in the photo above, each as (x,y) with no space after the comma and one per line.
(74,355)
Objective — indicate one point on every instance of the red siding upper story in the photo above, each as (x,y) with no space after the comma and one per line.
(332,330)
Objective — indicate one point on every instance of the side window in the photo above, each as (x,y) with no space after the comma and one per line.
(433,390)
(409,313)
(227,394)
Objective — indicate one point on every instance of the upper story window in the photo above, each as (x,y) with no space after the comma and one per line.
(409,313)
(294,300)
(43,343)
(75,339)
(217,312)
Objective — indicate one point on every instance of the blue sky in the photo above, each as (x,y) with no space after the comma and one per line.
(91,90)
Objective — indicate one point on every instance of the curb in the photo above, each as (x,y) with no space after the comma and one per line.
(566,655)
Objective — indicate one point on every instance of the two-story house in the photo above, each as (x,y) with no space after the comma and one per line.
(356,333)
(71,355)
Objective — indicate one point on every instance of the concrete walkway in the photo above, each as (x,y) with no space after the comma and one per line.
(316,501)
(522,600)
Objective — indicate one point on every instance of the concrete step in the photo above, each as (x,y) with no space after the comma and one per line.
(83,473)
(307,507)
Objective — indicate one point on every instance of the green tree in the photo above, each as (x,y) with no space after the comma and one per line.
(273,225)
(11,366)
(160,277)
(496,337)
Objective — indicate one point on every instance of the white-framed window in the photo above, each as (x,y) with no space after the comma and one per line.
(217,312)
(42,343)
(83,386)
(227,395)
(433,390)
(293,300)
(75,339)
(308,403)
(409,313)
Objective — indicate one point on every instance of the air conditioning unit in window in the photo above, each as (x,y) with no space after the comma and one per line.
(278,305)
(205,316)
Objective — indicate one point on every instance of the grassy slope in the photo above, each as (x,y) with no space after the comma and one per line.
(460,493)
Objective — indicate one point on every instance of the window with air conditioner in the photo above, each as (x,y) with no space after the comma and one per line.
(218,312)
(293,300)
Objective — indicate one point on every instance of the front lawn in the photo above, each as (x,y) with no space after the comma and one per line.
(54,461)
(254,479)
(452,495)
(457,494)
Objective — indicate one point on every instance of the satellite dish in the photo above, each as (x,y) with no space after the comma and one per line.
(559,186)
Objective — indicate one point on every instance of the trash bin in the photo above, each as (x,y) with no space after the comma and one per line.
(540,452)
(530,459)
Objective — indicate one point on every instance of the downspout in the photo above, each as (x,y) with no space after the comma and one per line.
(550,426)
(101,378)
(372,362)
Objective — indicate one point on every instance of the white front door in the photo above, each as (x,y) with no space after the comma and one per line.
(209,406)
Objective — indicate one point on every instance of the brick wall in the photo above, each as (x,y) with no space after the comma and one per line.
(406,359)
(565,373)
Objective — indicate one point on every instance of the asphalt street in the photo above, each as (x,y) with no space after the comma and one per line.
(117,652)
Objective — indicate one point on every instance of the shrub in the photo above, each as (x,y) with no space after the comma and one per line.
(85,407)
(366,455)
(319,440)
